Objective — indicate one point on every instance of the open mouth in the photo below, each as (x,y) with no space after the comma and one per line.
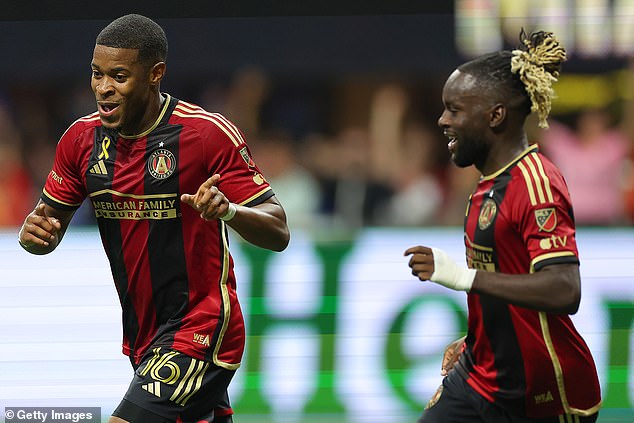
(107,109)
(452,140)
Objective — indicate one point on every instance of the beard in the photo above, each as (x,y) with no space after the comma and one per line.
(470,152)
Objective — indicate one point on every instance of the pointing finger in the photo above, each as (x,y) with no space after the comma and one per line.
(187,199)
(211,181)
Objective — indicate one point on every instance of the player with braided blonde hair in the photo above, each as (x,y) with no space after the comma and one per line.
(522,359)
(538,68)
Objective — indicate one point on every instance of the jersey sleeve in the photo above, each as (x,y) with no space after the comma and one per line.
(64,187)
(241,181)
(546,221)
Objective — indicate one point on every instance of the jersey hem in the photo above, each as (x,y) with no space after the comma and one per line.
(192,354)
(588,412)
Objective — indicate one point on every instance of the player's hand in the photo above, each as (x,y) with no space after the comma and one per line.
(435,265)
(421,262)
(451,355)
(209,200)
(39,229)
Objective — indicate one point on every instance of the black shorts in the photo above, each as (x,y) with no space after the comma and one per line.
(169,386)
(457,402)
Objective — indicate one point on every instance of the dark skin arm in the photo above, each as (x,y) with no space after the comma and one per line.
(44,228)
(555,288)
(263,225)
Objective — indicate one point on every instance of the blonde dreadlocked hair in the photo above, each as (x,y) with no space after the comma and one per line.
(524,77)
(538,68)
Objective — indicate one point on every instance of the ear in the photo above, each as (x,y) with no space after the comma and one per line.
(157,73)
(497,115)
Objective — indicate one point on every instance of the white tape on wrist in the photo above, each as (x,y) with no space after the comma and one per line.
(447,273)
(231,212)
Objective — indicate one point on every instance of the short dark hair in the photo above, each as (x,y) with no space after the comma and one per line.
(523,76)
(139,33)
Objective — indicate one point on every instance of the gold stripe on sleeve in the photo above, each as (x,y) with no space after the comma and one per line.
(549,256)
(540,166)
(185,107)
(536,178)
(529,183)
(253,197)
(59,201)
(210,119)
(230,126)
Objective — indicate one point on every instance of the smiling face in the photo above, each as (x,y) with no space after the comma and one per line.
(124,89)
(466,120)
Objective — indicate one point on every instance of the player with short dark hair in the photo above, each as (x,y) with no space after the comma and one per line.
(166,179)
(138,33)
(522,359)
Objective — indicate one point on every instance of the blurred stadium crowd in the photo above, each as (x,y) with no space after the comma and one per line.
(343,153)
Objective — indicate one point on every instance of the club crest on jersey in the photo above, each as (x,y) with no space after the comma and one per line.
(546,219)
(487,213)
(161,163)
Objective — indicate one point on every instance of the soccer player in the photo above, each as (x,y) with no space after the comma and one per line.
(522,359)
(166,179)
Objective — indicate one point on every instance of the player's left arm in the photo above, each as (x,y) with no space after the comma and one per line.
(263,225)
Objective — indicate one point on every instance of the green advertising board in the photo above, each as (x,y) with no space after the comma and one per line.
(337,328)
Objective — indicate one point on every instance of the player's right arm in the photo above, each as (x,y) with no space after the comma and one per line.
(44,228)
(63,192)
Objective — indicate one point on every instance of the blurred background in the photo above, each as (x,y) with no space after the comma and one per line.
(339,107)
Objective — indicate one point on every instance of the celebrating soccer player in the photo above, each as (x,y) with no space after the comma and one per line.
(522,359)
(166,178)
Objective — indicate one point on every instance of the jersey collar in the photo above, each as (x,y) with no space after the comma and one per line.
(166,104)
(530,149)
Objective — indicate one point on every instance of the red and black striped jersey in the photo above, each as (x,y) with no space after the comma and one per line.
(173,270)
(532,363)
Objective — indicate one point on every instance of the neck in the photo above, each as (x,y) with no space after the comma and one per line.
(147,116)
(503,151)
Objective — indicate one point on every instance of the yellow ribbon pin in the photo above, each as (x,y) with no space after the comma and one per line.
(105,143)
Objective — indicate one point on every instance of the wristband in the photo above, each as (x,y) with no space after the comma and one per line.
(231,212)
(447,273)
